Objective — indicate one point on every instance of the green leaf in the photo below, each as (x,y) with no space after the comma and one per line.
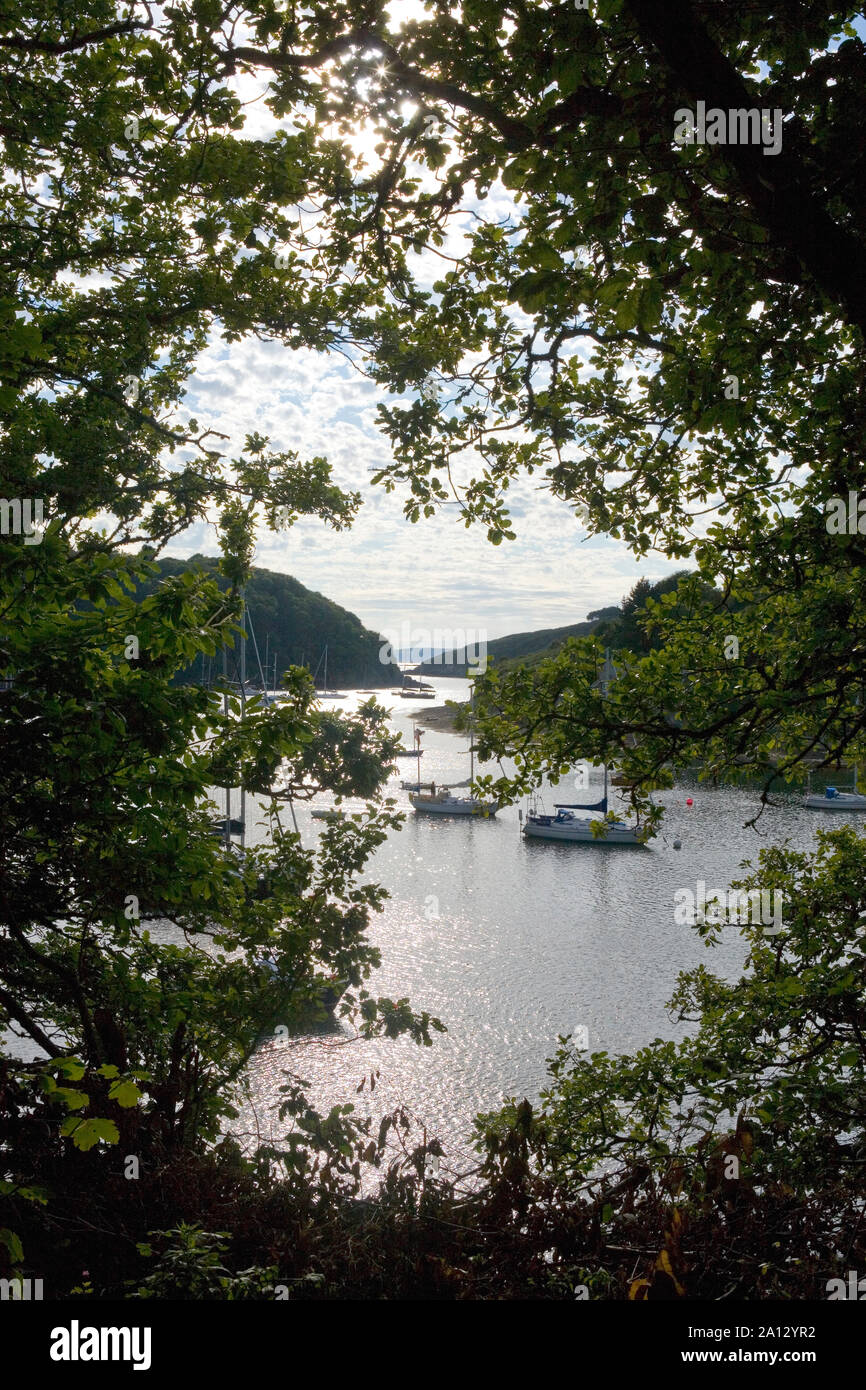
(126,1093)
(86,1133)
(13,1244)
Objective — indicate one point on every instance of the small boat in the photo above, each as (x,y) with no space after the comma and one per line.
(582,830)
(442,803)
(409,753)
(834,800)
(422,693)
(227,827)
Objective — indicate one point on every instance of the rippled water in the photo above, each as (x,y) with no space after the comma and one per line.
(531,940)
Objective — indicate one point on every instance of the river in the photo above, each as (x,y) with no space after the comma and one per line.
(513,942)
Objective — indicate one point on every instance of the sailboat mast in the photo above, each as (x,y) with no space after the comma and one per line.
(228,825)
(471,737)
(243,703)
(604,695)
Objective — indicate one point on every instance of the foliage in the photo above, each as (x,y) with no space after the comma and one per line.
(189,1266)
(297,624)
(129,938)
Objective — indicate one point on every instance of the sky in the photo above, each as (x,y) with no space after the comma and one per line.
(427,577)
(431,575)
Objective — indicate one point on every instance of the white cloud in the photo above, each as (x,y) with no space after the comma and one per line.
(435,573)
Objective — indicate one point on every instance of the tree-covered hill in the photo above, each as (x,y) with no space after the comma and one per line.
(293,624)
(629,628)
(515,646)
(621,627)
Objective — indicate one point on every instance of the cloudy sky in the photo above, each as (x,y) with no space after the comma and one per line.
(434,575)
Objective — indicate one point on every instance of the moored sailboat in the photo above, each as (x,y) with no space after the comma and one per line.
(443,802)
(586,830)
(834,800)
(325,693)
(602,827)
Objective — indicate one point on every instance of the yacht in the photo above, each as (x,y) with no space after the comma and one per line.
(443,802)
(586,830)
(833,800)
(601,827)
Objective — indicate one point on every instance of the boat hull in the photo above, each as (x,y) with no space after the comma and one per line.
(579,832)
(452,805)
(842,801)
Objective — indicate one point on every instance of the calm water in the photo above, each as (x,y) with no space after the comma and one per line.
(512,942)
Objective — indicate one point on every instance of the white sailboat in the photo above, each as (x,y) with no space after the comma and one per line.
(595,829)
(443,802)
(833,800)
(586,830)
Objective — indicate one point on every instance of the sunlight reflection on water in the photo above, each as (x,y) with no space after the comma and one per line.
(531,940)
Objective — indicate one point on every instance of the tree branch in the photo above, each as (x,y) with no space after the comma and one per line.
(28,1024)
(776,186)
(57,46)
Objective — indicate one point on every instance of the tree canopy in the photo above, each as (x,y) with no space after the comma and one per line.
(111,770)
(666,335)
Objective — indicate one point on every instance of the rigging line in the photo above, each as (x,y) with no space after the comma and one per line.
(256,649)
(319,662)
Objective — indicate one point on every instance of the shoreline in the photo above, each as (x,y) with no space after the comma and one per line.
(439,717)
